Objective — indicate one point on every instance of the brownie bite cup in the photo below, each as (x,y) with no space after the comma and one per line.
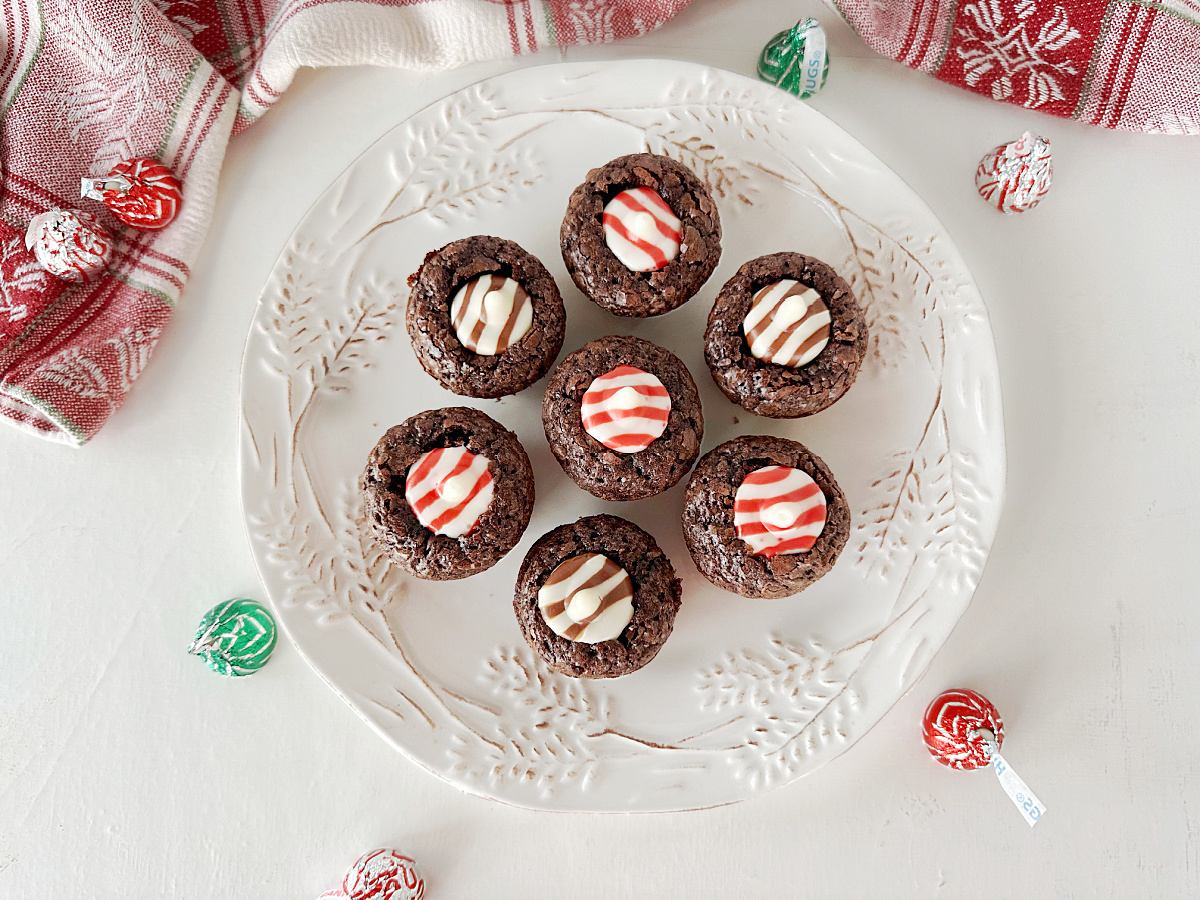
(641,235)
(449,492)
(597,598)
(485,317)
(623,418)
(764,517)
(786,336)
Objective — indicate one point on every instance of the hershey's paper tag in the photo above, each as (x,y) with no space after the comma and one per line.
(814,61)
(1018,791)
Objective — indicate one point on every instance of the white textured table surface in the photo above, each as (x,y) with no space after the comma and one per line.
(129,770)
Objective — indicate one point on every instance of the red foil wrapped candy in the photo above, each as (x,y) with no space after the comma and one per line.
(142,193)
(957,727)
(70,243)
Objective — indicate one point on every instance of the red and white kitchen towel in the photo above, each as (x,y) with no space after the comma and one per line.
(89,82)
(1130,64)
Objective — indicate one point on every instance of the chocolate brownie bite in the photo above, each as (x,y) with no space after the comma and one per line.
(786,336)
(764,517)
(641,235)
(449,492)
(485,317)
(597,598)
(623,418)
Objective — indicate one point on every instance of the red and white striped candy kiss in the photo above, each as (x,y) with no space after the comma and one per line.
(954,729)
(384,875)
(449,490)
(70,243)
(1015,177)
(641,230)
(626,409)
(779,510)
(140,192)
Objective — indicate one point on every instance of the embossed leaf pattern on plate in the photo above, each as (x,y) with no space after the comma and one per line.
(749,694)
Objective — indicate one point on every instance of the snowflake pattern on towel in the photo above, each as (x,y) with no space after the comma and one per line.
(1006,55)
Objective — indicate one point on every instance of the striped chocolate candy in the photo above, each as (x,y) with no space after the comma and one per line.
(626,409)
(641,230)
(490,314)
(140,192)
(449,489)
(788,324)
(588,598)
(779,510)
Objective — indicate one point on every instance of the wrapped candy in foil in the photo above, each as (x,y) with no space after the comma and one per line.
(1015,177)
(70,243)
(962,729)
(235,637)
(797,59)
(142,193)
(957,727)
(384,875)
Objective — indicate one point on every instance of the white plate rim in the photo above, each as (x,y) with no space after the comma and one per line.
(628,68)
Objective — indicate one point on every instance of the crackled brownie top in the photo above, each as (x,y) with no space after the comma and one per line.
(655,596)
(449,492)
(586,415)
(792,380)
(673,245)
(748,560)
(485,317)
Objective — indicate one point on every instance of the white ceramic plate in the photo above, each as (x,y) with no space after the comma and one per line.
(746,694)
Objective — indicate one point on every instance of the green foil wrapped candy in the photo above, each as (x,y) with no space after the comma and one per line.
(235,637)
(796,60)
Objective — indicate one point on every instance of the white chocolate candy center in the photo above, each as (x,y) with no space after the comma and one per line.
(794,307)
(584,603)
(782,515)
(497,305)
(641,225)
(626,398)
(454,489)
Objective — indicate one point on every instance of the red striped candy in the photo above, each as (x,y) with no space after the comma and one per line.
(779,510)
(384,875)
(1015,177)
(140,192)
(641,230)
(449,490)
(952,725)
(626,409)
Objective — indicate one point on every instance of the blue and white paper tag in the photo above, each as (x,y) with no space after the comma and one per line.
(812,72)
(1018,791)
